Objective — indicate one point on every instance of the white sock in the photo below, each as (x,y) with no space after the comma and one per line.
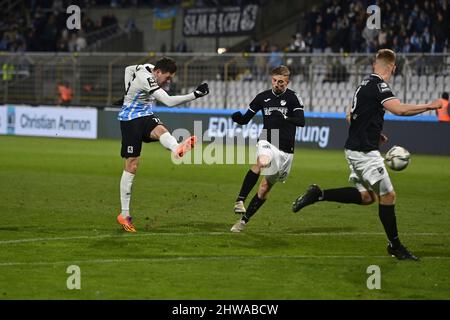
(168,141)
(126,183)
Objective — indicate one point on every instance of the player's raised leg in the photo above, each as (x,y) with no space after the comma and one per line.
(343,195)
(169,142)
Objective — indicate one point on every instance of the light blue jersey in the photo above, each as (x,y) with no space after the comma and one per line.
(140,84)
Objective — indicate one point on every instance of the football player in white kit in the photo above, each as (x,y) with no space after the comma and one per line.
(138,123)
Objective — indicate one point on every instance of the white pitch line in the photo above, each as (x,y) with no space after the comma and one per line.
(177,234)
(187,258)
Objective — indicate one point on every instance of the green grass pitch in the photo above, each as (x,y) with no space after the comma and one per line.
(59,199)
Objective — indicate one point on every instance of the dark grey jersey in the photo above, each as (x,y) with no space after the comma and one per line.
(289,104)
(367,114)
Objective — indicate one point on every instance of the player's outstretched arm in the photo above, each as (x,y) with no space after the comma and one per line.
(298,117)
(241,119)
(403,109)
(170,101)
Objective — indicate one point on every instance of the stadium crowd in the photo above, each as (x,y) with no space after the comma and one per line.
(43,28)
(334,26)
(40,25)
(407,27)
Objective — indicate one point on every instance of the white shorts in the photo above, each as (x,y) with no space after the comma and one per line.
(280,162)
(367,171)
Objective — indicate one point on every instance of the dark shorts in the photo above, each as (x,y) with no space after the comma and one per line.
(136,131)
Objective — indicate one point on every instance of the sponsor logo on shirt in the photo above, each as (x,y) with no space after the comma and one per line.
(383,87)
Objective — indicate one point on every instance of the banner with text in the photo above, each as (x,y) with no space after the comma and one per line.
(49,122)
(225,21)
(322,131)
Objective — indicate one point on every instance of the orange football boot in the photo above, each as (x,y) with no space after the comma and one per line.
(126,223)
(185,146)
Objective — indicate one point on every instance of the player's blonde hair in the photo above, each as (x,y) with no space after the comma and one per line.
(280,71)
(385,56)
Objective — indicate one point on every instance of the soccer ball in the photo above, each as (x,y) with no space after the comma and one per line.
(397,158)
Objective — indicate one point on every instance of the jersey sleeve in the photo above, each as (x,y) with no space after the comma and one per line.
(255,105)
(297,104)
(128,76)
(383,92)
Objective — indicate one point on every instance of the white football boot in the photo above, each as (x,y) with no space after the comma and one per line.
(238,226)
(239,207)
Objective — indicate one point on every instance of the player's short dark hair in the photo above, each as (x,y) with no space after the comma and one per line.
(166,64)
(386,55)
(445,95)
(280,71)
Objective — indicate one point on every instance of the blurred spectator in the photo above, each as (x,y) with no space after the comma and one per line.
(416,45)
(331,38)
(72,44)
(49,34)
(275,57)
(308,42)
(254,46)
(3,42)
(297,44)
(65,94)
(58,6)
(442,113)
(338,73)
(130,25)
(8,71)
(318,42)
(260,62)
(81,42)
(41,26)
(406,46)
(181,46)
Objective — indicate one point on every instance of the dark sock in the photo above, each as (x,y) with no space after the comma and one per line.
(343,195)
(253,206)
(250,180)
(387,217)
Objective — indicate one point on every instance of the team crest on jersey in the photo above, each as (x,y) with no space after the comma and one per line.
(152,82)
(383,87)
(283,102)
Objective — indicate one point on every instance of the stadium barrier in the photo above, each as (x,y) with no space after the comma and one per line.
(48,121)
(418,134)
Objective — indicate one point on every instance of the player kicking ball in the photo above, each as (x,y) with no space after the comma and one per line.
(367,171)
(282,113)
(138,123)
